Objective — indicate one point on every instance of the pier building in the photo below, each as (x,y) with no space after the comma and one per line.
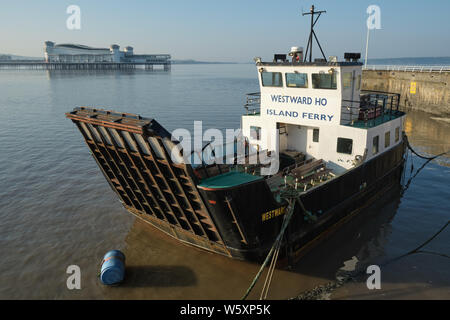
(76,53)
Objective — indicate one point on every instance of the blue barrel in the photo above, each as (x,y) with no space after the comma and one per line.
(113,267)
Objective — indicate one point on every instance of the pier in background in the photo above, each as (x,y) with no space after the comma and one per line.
(69,56)
(165,64)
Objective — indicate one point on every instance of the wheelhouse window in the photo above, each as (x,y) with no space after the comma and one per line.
(347,80)
(397,134)
(375,146)
(315,135)
(387,139)
(271,79)
(255,133)
(344,145)
(324,80)
(297,80)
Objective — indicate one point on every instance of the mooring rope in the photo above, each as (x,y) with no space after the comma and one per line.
(275,246)
(420,156)
(293,196)
(316,292)
(417,250)
(412,165)
(327,288)
(268,281)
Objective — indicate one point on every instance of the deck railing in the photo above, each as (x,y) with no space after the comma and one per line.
(439,69)
(371,107)
(253,103)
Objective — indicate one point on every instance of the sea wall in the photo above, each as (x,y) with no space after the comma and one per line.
(425,91)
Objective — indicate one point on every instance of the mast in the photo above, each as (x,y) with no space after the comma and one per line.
(312,33)
(367,47)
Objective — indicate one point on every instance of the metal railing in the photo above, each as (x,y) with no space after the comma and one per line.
(372,106)
(253,103)
(439,69)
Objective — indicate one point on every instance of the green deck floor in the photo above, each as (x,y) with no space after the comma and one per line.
(228,180)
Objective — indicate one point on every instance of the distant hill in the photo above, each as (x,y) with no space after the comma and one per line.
(16,57)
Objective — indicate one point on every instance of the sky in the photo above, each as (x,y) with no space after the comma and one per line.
(229,30)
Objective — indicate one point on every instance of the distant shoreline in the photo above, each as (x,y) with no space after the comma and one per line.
(425,61)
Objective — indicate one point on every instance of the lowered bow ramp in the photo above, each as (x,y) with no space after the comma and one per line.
(134,154)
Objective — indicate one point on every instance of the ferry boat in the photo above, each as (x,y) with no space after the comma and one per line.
(336,147)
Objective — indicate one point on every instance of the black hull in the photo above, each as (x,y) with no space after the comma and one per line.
(333,202)
(241,222)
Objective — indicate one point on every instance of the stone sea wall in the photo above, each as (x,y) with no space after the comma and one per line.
(425,91)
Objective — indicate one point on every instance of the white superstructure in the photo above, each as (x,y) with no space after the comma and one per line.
(319,111)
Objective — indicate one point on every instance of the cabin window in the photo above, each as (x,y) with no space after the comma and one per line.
(255,133)
(347,80)
(375,144)
(387,139)
(324,80)
(397,134)
(271,79)
(344,145)
(297,80)
(358,82)
(315,135)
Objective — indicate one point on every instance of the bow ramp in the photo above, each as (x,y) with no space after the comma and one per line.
(134,154)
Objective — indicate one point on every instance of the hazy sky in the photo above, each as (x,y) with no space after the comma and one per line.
(228,30)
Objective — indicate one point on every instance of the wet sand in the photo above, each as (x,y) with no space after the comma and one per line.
(158,267)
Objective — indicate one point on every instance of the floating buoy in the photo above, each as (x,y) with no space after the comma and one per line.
(113,267)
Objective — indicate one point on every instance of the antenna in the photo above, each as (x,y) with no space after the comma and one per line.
(312,33)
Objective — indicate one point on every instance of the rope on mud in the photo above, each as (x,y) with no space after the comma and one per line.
(344,278)
(341,280)
(417,250)
(420,156)
(290,196)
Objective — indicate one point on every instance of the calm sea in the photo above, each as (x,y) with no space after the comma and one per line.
(56,208)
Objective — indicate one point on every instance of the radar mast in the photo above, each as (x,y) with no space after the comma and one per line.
(312,33)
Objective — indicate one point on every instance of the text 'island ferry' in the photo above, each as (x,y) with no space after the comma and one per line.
(335,147)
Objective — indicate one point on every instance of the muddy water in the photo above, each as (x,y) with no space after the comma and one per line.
(57,210)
